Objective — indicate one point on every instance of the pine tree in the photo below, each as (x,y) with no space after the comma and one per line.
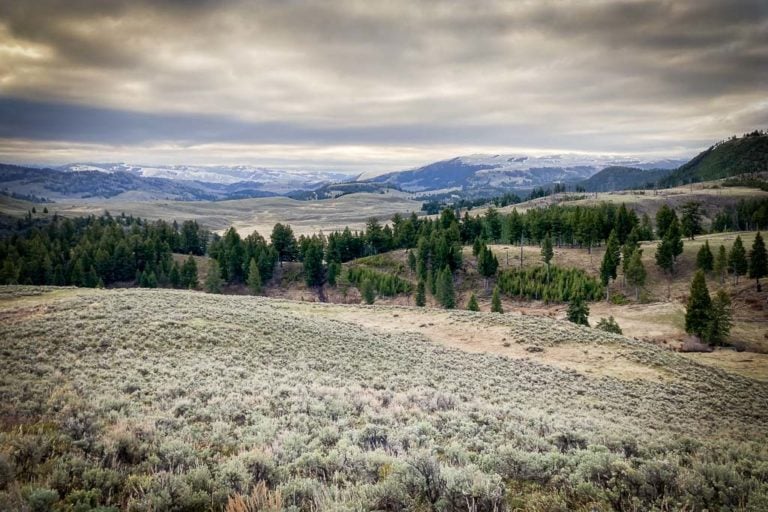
(254,277)
(721,264)
(758,260)
(664,219)
(496,301)
(487,264)
(547,252)
(720,319)
(446,295)
(578,311)
(421,294)
(699,306)
(737,259)
(472,305)
(314,274)
(636,274)
(611,260)
(213,281)
(704,259)
(367,291)
(411,261)
(334,270)
(189,273)
(690,219)
(175,275)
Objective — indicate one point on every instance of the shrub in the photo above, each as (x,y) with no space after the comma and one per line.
(41,499)
(608,325)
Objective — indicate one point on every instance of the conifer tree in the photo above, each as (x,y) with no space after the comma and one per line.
(411,261)
(189,273)
(699,306)
(664,219)
(254,277)
(721,264)
(314,274)
(690,219)
(496,301)
(175,275)
(446,295)
(213,281)
(334,270)
(547,252)
(720,319)
(610,261)
(636,273)
(608,325)
(367,291)
(758,260)
(704,259)
(487,264)
(737,259)
(472,305)
(578,311)
(421,294)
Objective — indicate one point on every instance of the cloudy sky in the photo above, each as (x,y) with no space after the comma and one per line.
(354,85)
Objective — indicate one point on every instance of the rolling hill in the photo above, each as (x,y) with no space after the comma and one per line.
(738,155)
(157,399)
(623,178)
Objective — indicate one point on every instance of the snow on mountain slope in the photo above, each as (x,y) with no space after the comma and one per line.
(512,171)
(270,180)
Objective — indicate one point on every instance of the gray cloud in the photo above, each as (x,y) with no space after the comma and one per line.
(640,76)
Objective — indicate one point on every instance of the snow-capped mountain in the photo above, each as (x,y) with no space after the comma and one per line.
(512,171)
(277,181)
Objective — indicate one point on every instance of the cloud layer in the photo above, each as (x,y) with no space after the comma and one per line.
(374,84)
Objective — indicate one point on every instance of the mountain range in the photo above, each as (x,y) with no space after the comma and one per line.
(472,176)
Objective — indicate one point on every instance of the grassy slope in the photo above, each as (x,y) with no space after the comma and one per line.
(246,215)
(184,391)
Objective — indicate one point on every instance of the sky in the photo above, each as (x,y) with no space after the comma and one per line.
(374,86)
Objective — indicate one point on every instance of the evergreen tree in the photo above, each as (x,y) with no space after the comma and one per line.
(213,281)
(758,260)
(699,306)
(547,252)
(578,311)
(737,259)
(690,219)
(334,270)
(496,301)
(254,277)
(314,274)
(636,273)
(446,295)
(189,273)
(721,264)
(175,275)
(664,218)
(720,319)
(472,305)
(421,294)
(487,264)
(610,261)
(284,242)
(367,291)
(704,259)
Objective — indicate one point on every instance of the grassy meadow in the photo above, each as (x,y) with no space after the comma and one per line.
(172,400)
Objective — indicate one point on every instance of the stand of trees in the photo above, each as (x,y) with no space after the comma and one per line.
(98,251)
(562,286)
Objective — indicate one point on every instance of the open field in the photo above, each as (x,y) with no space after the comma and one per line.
(246,215)
(148,399)
(712,197)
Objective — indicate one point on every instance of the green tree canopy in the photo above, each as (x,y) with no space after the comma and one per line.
(758,260)
(699,306)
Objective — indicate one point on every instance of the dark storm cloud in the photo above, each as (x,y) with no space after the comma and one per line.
(593,75)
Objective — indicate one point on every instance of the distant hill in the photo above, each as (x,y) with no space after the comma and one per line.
(56,185)
(747,154)
(333,190)
(623,178)
(477,175)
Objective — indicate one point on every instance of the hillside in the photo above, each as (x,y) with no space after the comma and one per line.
(97,185)
(156,399)
(747,154)
(623,178)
